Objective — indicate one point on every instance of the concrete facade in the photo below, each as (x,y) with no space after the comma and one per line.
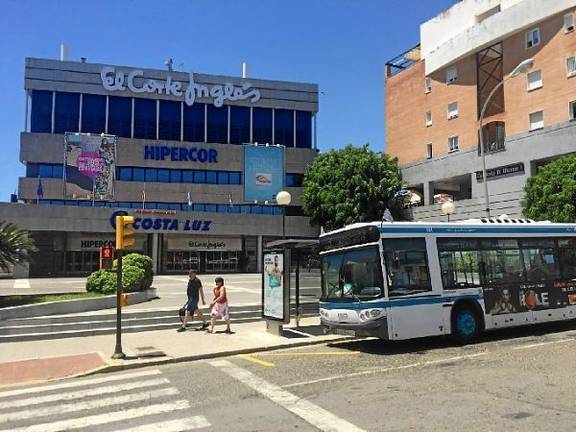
(69,233)
(483,40)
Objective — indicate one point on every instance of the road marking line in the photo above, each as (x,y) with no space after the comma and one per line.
(87,405)
(311,354)
(307,411)
(22,283)
(103,379)
(83,393)
(256,360)
(179,425)
(384,370)
(542,344)
(100,419)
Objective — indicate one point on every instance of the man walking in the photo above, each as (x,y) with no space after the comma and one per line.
(194,293)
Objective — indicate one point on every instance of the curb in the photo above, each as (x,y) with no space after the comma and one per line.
(73,306)
(207,356)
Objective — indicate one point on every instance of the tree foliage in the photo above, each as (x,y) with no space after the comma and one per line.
(551,193)
(15,245)
(353,184)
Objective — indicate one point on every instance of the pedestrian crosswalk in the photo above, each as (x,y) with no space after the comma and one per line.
(142,401)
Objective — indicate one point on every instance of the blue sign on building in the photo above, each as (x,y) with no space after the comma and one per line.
(263,172)
(181,154)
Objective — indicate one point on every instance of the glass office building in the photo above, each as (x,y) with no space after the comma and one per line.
(179,156)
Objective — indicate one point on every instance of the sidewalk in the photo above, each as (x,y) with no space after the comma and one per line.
(36,361)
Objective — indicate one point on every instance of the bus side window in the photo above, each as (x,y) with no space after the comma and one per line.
(461,263)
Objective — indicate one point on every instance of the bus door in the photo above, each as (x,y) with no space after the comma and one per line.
(415,309)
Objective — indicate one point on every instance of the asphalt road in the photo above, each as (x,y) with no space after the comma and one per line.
(515,380)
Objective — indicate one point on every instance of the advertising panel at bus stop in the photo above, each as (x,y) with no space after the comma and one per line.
(274,288)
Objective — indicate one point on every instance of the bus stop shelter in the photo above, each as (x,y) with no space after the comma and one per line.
(294,250)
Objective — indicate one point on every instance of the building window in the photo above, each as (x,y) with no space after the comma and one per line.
(573,110)
(218,124)
(120,116)
(453,144)
(194,122)
(569,22)
(536,120)
(571,66)
(284,127)
(428,151)
(534,80)
(262,125)
(93,113)
(427,85)
(452,75)
(303,129)
(170,120)
(532,38)
(41,116)
(67,112)
(452,110)
(239,125)
(428,118)
(144,118)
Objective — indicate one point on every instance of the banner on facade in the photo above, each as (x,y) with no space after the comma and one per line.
(263,172)
(90,166)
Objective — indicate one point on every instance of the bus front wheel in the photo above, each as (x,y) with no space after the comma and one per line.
(466,325)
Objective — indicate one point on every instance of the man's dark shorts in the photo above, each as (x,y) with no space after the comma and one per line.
(192,304)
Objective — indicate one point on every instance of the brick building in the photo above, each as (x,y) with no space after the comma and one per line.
(435,93)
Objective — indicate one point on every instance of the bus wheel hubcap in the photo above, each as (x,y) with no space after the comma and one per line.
(466,324)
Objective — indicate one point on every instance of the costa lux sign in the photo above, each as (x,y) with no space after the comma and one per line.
(164,223)
(114,80)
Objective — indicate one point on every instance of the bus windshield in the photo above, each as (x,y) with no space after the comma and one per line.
(352,275)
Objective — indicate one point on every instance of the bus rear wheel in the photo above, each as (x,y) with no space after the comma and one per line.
(466,325)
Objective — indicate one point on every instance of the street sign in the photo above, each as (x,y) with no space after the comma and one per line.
(106,258)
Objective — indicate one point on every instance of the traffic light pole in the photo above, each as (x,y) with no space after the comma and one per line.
(118,354)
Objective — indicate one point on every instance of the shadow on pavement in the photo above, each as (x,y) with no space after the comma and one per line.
(424,345)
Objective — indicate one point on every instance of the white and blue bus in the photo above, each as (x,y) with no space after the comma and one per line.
(402,280)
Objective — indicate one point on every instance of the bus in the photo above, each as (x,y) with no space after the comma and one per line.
(403,280)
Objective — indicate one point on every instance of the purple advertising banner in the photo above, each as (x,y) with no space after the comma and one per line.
(90,166)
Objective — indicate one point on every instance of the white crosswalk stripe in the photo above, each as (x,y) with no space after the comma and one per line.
(127,402)
(172,425)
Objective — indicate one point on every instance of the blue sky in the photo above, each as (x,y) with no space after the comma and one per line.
(342,45)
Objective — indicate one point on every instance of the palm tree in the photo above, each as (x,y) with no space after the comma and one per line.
(15,245)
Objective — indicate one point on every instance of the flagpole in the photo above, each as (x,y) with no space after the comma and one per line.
(93,191)
(144,197)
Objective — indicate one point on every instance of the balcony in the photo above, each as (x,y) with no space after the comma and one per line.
(403,61)
(494,134)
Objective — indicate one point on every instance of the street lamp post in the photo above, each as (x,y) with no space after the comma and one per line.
(522,68)
(283,199)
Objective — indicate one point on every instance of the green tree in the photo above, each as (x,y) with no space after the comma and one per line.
(551,193)
(15,245)
(353,184)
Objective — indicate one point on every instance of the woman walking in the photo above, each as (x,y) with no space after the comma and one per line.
(219,306)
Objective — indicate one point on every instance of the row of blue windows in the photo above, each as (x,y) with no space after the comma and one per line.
(200,122)
(162,175)
(212,208)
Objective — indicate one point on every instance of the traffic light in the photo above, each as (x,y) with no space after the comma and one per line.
(106,258)
(124,232)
